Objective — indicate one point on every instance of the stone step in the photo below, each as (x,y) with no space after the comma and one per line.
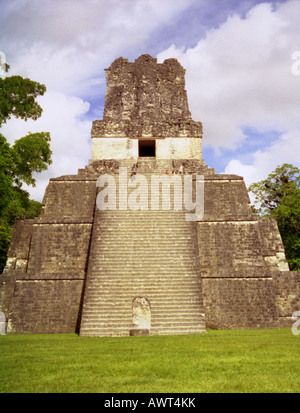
(151,236)
(117,296)
(163,268)
(159,262)
(165,330)
(148,253)
(167,227)
(95,273)
(130,280)
(154,294)
(155,313)
(119,304)
(125,328)
(100,268)
(99,322)
(175,280)
(161,309)
(151,293)
(132,228)
(131,275)
(123,244)
(182,303)
(160,213)
(94,285)
(135,288)
(171,243)
(150,283)
(144,251)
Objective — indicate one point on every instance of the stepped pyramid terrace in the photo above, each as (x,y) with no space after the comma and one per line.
(159,252)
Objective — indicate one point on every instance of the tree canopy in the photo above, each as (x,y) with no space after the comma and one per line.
(17,98)
(19,161)
(278,196)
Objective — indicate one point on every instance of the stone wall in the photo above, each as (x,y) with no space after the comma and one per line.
(45,306)
(179,148)
(232,303)
(230,249)
(7,286)
(146,99)
(126,148)
(18,252)
(272,246)
(69,197)
(238,289)
(287,290)
(45,292)
(114,148)
(145,90)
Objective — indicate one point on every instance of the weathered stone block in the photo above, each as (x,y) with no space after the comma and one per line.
(45,306)
(59,248)
(232,303)
(69,199)
(230,249)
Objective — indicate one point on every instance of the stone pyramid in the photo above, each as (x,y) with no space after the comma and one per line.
(113,254)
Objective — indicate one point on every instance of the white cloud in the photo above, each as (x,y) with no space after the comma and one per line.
(70,135)
(284,150)
(240,76)
(66,46)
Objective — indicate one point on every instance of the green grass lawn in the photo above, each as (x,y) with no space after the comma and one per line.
(216,362)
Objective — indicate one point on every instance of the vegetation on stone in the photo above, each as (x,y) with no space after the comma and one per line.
(278,196)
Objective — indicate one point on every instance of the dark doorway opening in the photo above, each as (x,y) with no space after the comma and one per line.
(147,148)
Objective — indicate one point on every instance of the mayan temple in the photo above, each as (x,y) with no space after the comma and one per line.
(114,255)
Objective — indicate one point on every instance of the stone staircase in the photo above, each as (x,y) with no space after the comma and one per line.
(150,254)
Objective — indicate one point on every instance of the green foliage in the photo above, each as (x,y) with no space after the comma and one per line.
(5,236)
(17,98)
(18,162)
(33,154)
(269,193)
(278,196)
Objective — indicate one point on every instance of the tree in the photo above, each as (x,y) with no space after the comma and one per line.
(18,162)
(278,196)
(17,98)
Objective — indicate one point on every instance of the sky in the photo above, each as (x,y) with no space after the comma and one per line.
(242,61)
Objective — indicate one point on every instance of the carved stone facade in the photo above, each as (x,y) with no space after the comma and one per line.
(122,271)
(146,105)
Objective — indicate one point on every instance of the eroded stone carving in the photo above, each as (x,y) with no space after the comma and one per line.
(141,313)
(2,323)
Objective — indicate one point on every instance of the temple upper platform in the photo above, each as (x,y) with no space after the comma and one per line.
(146,103)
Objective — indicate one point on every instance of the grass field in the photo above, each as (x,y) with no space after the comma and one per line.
(260,361)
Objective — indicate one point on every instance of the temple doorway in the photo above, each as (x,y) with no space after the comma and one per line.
(147,148)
